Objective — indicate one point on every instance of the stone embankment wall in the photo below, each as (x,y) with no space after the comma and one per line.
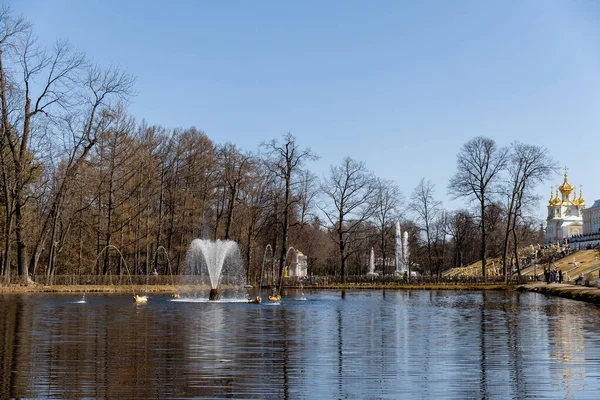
(588,294)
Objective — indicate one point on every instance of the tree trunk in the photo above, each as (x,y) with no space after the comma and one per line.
(516,245)
(109,216)
(232,196)
(7,250)
(383,249)
(284,231)
(159,227)
(20,185)
(136,249)
(8,228)
(342,249)
(506,236)
(483,240)
(148,244)
(51,254)
(21,247)
(80,252)
(8,224)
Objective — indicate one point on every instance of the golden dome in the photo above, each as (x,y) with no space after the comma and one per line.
(556,200)
(580,201)
(566,188)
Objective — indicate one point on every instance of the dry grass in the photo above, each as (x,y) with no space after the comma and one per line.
(586,261)
(493,268)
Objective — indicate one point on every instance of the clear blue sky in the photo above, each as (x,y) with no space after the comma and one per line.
(400,85)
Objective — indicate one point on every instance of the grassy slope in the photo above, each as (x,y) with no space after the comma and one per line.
(585,259)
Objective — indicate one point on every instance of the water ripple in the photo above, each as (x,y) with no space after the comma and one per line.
(355,345)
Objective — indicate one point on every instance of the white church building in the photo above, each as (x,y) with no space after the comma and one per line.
(565,213)
(568,217)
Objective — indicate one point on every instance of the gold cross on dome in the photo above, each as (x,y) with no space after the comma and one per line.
(566,170)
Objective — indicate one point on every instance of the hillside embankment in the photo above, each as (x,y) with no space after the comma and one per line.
(574,264)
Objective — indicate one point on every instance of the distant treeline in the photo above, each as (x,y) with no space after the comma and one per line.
(86,189)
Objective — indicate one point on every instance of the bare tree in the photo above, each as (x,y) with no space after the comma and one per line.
(234,168)
(426,209)
(461,228)
(495,220)
(286,160)
(479,165)
(439,253)
(195,182)
(79,130)
(308,191)
(349,204)
(58,71)
(43,88)
(254,200)
(118,164)
(527,165)
(12,31)
(387,203)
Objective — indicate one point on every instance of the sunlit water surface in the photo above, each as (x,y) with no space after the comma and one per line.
(333,345)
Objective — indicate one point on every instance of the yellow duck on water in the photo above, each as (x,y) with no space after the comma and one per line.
(140,299)
(256,300)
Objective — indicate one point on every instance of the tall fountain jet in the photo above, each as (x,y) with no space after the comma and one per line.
(398,248)
(402,252)
(220,260)
(372,264)
(405,250)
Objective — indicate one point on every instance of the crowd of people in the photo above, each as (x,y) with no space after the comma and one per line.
(588,237)
(553,275)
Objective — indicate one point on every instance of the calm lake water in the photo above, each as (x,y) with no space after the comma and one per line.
(334,345)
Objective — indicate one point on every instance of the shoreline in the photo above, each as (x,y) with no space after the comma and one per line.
(166,289)
(588,294)
(567,291)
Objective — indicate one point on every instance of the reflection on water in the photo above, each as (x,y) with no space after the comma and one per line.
(397,344)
